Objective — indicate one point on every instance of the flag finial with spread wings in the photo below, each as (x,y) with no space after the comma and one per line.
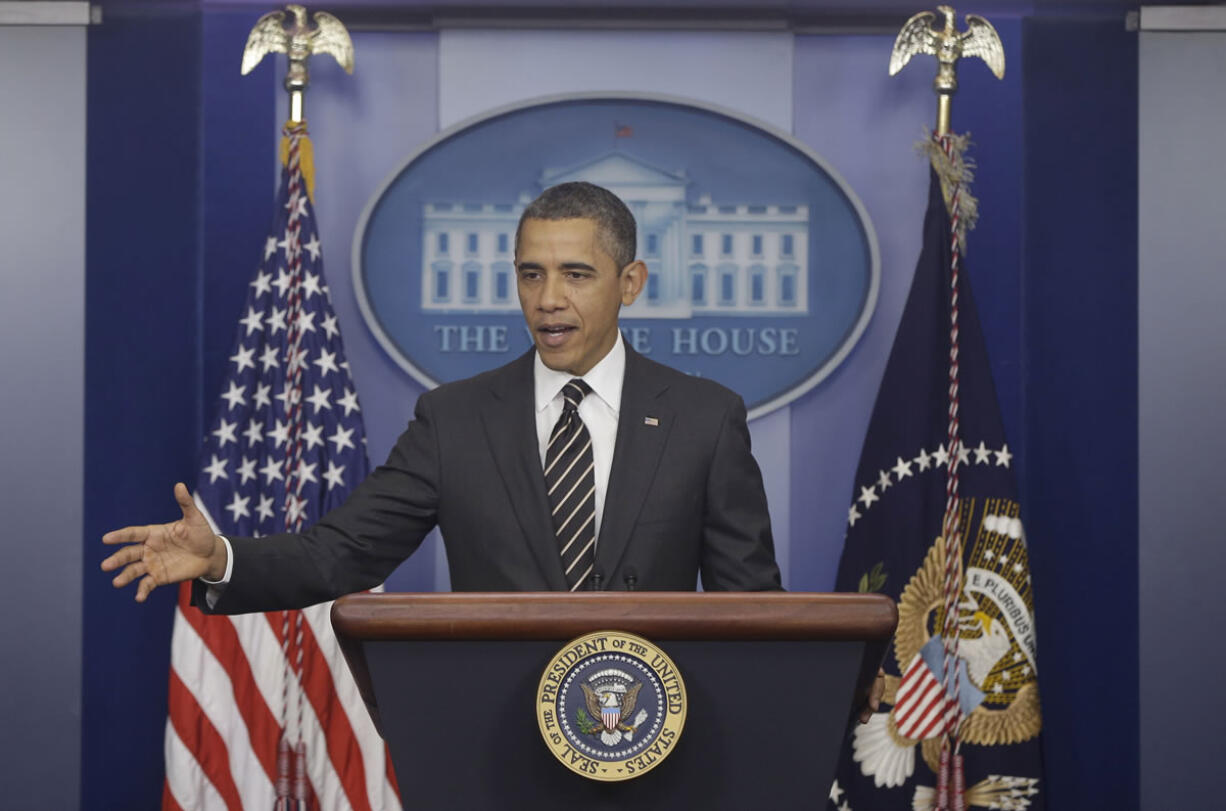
(918,36)
(299,42)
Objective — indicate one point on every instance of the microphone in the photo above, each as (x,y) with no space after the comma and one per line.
(631,579)
(597,582)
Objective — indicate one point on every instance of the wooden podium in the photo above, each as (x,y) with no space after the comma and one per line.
(772,682)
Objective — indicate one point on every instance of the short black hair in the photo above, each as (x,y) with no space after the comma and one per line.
(586,201)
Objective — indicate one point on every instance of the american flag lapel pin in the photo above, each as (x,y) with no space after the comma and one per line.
(652,421)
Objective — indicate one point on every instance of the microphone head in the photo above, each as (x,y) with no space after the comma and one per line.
(630,578)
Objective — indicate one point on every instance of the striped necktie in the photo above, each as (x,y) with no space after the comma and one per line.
(570,479)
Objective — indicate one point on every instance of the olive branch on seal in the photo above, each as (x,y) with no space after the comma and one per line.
(585,723)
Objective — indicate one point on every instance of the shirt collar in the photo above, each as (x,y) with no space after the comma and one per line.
(605,378)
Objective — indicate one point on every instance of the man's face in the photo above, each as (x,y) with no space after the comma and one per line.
(570,290)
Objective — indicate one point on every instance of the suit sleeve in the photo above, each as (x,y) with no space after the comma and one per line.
(353,547)
(738,550)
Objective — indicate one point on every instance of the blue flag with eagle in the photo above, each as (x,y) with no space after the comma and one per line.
(935,524)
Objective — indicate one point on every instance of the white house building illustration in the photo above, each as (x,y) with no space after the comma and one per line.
(704,258)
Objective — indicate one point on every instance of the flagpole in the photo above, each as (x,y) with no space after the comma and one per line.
(299,41)
(948,45)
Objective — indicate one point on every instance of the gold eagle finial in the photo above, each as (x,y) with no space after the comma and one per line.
(299,41)
(918,36)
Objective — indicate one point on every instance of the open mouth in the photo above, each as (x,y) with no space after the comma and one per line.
(555,334)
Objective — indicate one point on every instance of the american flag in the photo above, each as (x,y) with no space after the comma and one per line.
(263,711)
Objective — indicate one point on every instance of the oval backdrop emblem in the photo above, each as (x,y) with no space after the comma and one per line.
(763,265)
(611,706)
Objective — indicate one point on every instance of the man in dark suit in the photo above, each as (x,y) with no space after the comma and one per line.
(580,465)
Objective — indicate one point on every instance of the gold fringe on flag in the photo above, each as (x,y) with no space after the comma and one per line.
(954,170)
(306,159)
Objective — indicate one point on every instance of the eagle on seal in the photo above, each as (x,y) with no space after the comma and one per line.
(606,704)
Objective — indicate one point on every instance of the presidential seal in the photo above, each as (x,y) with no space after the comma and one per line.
(611,705)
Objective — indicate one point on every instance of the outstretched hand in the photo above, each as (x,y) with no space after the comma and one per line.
(159,554)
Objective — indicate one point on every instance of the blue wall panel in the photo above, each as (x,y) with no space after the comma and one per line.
(990,111)
(1080,364)
(142,268)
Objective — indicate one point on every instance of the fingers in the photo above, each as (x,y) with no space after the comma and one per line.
(878,691)
(875,694)
(130,559)
(140,534)
(124,556)
(127,535)
(129,573)
(147,585)
(186,503)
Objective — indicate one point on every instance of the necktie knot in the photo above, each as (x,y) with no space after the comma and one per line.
(573,393)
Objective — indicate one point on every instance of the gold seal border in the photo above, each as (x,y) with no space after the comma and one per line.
(579,763)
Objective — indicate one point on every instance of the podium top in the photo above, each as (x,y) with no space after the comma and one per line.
(657,615)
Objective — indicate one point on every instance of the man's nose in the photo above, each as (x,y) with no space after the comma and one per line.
(553,292)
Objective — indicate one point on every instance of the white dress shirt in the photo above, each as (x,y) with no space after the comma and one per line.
(598,410)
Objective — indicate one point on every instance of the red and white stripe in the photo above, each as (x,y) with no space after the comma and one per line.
(227,680)
(923,709)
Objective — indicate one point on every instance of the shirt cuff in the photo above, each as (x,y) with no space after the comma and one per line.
(225,578)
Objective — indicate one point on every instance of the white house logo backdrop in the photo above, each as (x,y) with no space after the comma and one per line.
(763,264)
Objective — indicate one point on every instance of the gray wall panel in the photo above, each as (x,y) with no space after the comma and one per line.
(1182,368)
(42,283)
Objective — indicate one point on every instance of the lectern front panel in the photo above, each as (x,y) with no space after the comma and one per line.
(764,725)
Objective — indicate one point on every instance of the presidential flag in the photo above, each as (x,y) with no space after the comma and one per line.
(263,711)
(936,525)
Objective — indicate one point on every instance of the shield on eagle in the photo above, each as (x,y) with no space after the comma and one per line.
(611,715)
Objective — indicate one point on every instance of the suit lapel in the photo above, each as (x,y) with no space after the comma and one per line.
(643,425)
(510,428)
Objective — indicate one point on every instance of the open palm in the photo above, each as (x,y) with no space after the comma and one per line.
(158,554)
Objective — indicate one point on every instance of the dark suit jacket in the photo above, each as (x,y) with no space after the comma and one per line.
(684,496)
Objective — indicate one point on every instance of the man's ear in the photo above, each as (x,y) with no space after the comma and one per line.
(633,277)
